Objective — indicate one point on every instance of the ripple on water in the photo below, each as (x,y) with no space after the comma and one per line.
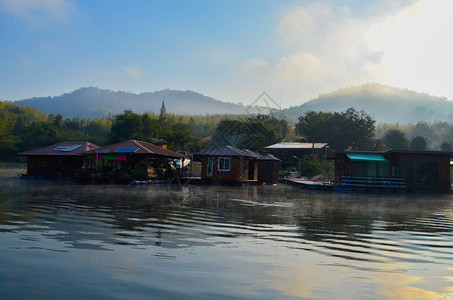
(152,234)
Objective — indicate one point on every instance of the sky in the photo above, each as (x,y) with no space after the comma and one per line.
(230,50)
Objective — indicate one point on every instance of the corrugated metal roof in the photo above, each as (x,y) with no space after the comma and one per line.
(297,146)
(142,148)
(225,151)
(63,149)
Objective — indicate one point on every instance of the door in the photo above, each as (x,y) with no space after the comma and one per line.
(210,166)
(251,170)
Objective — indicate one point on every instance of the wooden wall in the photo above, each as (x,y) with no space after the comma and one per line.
(233,174)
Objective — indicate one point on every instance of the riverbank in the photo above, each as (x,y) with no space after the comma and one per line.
(8,169)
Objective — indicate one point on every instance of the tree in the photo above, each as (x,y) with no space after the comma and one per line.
(179,135)
(280,126)
(350,129)
(446,146)
(7,140)
(251,134)
(163,119)
(395,139)
(151,127)
(126,126)
(310,166)
(418,143)
(314,126)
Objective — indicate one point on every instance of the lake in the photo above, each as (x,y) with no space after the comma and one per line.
(62,240)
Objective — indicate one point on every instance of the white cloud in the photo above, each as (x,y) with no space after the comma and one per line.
(255,64)
(35,10)
(134,71)
(417,47)
(409,47)
(301,24)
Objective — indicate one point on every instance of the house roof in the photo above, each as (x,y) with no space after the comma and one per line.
(228,151)
(269,157)
(136,147)
(253,154)
(63,149)
(297,146)
(424,152)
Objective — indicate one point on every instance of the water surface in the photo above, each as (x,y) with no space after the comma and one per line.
(59,240)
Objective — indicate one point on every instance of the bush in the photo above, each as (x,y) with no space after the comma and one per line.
(310,166)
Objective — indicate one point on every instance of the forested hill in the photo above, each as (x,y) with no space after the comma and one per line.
(384,103)
(91,102)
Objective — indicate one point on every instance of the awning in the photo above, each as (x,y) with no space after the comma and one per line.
(367,157)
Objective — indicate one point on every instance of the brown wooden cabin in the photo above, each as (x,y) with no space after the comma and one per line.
(408,169)
(228,164)
(268,168)
(130,160)
(63,159)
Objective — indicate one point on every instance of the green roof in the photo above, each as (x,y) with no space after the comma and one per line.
(367,157)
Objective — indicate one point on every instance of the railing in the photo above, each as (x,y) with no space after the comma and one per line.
(372,182)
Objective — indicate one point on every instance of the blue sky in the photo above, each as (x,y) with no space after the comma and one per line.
(230,50)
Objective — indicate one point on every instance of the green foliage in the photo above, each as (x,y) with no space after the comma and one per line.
(418,143)
(254,133)
(310,166)
(438,135)
(178,136)
(280,126)
(126,126)
(395,139)
(23,128)
(445,146)
(350,129)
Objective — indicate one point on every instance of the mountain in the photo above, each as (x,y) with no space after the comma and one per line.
(92,102)
(384,103)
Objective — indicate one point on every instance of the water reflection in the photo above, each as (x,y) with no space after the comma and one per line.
(246,241)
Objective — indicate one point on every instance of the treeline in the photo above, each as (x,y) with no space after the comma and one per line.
(195,133)
(422,135)
(23,128)
(356,130)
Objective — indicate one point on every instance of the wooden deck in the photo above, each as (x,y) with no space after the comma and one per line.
(308,184)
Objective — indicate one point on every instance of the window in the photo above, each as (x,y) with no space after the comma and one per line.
(224,164)
(210,166)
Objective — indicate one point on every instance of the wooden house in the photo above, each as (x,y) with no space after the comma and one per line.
(421,169)
(130,160)
(228,164)
(62,159)
(268,168)
(408,169)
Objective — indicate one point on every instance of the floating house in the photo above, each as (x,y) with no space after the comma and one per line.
(290,153)
(130,160)
(399,169)
(232,165)
(63,159)
(227,164)
(268,168)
